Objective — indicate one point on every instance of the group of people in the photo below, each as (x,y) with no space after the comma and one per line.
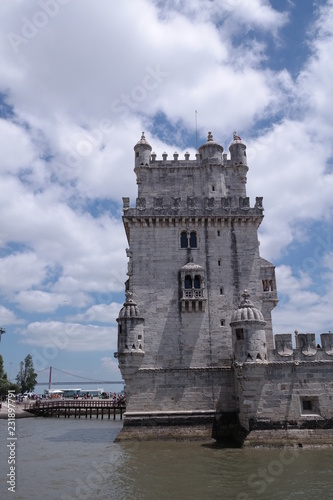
(118,399)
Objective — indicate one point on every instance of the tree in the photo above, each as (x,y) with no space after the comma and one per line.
(5,384)
(26,377)
(2,371)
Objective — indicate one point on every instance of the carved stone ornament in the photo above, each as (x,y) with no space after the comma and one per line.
(175,203)
(284,344)
(192,203)
(307,343)
(141,203)
(226,203)
(158,203)
(209,203)
(244,203)
(327,343)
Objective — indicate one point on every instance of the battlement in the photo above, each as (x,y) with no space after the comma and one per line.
(224,206)
(209,153)
(176,161)
(306,347)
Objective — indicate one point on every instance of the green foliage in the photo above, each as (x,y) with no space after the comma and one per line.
(5,384)
(26,377)
(2,372)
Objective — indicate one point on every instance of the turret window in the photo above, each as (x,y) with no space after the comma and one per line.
(188,282)
(192,287)
(267,285)
(197,280)
(239,333)
(192,280)
(188,239)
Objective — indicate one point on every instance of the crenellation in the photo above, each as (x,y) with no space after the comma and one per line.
(306,347)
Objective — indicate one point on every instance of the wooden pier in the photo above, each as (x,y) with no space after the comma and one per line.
(76,408)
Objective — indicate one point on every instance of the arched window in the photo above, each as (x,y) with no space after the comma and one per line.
(196,281)
(188,239)
(188,282)
(183,239)
(193,239)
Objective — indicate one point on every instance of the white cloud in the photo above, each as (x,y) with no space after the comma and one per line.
(100,313)
(56,336)
(20,271)
(302,309)
(13,158)
(39,301)
(8,317)
(289,171)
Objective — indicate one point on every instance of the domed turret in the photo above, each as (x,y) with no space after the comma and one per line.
(248,333)
(142,152)
(130,337)
(211,150)
(129,309)
(246,311)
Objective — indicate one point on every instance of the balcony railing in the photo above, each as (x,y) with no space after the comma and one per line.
(193,293)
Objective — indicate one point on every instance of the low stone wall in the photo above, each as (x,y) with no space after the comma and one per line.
(201,432)
(297,438)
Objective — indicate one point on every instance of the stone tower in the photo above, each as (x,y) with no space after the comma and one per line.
(193,249)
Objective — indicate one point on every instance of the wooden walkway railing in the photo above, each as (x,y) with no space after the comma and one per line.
(76,408)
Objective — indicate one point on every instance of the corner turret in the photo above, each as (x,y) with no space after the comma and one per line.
(238,151)
(248,333)
(130,338)
(238,162)
(211,151)
(142,152)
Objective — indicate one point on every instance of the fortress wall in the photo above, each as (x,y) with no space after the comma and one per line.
(177,390)
(278,395)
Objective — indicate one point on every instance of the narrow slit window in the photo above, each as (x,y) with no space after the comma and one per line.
(239,333)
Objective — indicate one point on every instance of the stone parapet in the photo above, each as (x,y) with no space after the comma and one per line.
(224,206)
(195,207)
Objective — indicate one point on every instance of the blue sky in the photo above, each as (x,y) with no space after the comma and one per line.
(79,82)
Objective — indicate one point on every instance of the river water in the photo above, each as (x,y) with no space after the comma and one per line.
(77,459)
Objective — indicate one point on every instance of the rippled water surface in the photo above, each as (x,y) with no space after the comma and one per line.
(77,459)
